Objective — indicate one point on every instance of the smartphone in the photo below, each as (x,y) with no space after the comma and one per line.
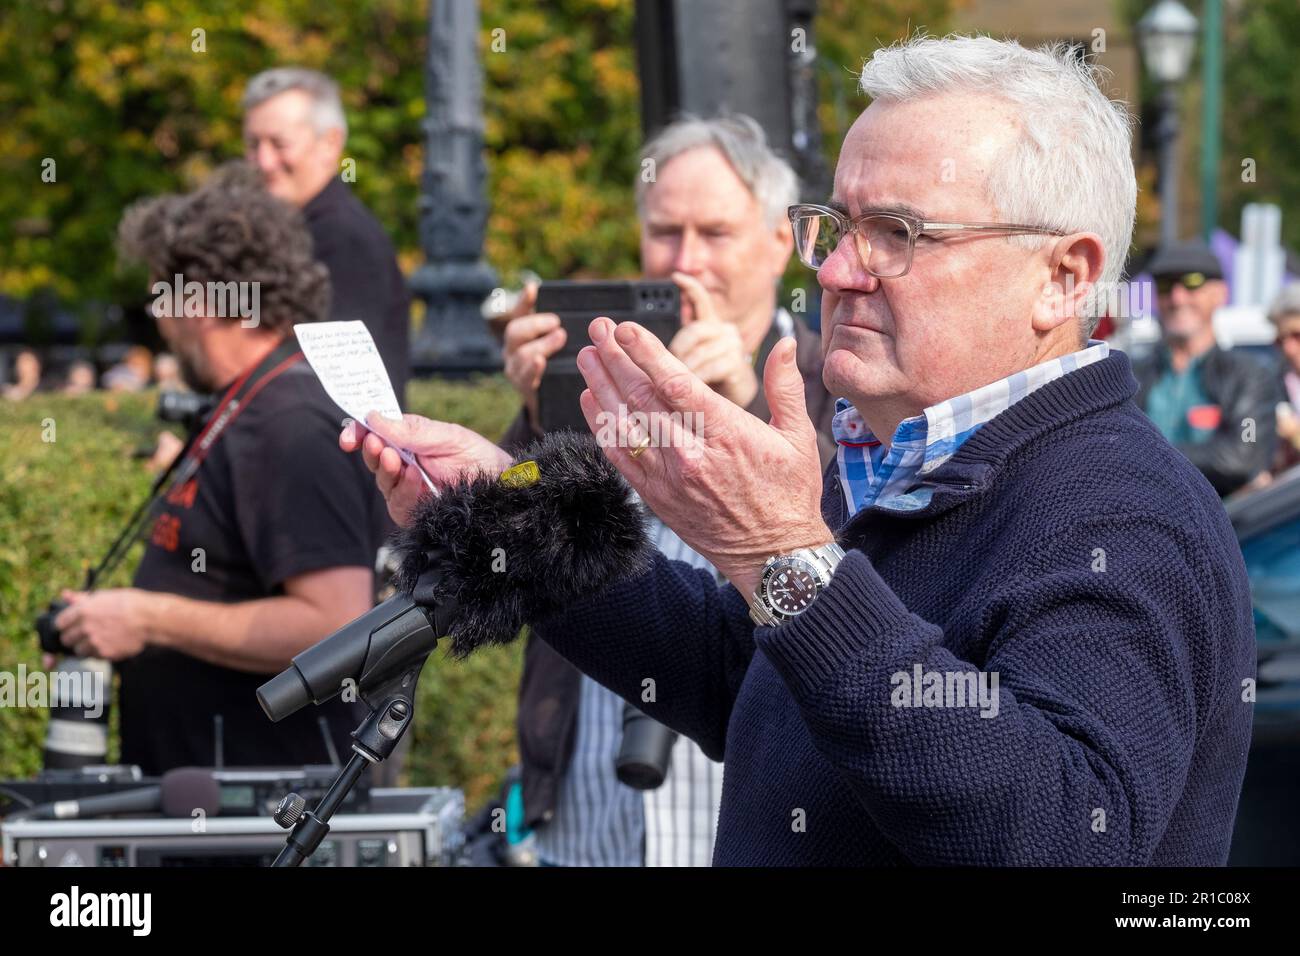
(654,305)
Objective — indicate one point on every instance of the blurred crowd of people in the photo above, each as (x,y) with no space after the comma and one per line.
(137,370)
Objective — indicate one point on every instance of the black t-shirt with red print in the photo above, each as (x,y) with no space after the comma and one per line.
(273,498)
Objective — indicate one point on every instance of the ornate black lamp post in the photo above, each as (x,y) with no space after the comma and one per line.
(1167,35)
(455,279)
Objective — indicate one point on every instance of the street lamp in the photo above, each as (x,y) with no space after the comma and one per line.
(455,279)
(1167,36)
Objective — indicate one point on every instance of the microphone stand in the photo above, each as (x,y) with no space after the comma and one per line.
(392,709)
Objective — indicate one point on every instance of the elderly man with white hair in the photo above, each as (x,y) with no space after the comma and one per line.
(1011,624)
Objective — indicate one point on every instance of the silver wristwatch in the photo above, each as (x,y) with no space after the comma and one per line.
(791,581)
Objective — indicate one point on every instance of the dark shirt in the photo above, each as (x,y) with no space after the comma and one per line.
(365,281)
(1120,735)
(274,498)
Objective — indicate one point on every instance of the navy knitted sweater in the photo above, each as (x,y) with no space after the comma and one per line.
(1067,549)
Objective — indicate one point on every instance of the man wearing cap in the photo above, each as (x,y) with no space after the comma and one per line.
(1214,405)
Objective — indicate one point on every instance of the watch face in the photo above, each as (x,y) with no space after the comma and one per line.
(791,586)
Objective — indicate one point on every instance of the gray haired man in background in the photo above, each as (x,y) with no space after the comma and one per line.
(294,131)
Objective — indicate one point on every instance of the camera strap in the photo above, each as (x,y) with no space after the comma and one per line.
(197,446)
(236,398)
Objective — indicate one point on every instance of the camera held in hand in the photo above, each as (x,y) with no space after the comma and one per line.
(46,630)
(653,304)
(187,409)
(80,699)
(646,751)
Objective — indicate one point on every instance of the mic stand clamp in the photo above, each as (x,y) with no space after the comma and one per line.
(392,708)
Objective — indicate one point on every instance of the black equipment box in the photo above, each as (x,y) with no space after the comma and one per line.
(402,827)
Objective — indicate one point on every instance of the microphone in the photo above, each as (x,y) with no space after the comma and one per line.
(181,792)
(478,562)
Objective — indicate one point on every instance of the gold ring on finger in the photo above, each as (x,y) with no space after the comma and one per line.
(642,446)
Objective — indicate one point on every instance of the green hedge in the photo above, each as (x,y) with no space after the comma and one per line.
(68,483)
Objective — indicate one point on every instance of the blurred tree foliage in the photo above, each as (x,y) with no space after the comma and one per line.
(1261,112)
(129,100)
(134,98)
(847,32)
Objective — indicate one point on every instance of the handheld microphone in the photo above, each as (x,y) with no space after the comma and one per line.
(181,792)
(480,561)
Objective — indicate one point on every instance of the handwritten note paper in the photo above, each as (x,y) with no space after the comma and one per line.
(344,358)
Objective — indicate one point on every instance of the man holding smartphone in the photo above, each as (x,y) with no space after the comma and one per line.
(712,209)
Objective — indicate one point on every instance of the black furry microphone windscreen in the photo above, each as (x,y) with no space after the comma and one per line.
(518,548)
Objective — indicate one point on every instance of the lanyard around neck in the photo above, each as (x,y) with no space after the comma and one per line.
(237,398)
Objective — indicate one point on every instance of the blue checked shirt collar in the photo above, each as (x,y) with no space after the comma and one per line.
(893,479)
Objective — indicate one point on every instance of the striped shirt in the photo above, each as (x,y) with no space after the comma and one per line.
(601,822)
(681,817)
(598,821)
(893,478)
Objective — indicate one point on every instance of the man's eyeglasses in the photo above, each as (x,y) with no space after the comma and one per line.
(1188,280)
(884,241)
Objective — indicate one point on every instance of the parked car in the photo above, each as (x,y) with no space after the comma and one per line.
(1267,523)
